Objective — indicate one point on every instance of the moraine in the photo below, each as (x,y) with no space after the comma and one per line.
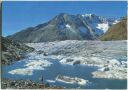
(83,60)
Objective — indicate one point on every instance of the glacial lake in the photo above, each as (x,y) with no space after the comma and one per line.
(56,68)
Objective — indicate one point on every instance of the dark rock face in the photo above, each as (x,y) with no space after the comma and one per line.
(61,27)
(40,52)
(106,69)
(117,31)
(76,62)
(12,50)
(69,60)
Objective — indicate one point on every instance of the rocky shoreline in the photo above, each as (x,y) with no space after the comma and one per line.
(25,84)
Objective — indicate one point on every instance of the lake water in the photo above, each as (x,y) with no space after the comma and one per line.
(51,72)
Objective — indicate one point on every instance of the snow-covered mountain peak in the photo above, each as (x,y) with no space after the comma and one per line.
(99,24)
(67,27)
(86,15)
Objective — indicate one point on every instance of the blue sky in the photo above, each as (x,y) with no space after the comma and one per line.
(17,16)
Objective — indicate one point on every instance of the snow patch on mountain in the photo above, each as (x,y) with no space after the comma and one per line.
(87,15)
(103,26)
(116,21)
(68,26)
(99,24)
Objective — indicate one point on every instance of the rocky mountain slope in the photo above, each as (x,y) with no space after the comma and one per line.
(13,51)
(65,27)
(117,31)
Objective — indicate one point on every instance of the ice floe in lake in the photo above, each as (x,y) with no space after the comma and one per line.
(71,80)
(51,81)
(113,70)
(71,60)
(112,74)
(22,71)
(38,64)
(91,61)
(30,66)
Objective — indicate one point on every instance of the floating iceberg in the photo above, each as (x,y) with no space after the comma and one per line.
(30,66)
(71,80)
(22,71)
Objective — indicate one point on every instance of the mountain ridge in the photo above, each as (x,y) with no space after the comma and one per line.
(117,31)
(64,27)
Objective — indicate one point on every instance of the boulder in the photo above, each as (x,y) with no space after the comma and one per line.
(76,62)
